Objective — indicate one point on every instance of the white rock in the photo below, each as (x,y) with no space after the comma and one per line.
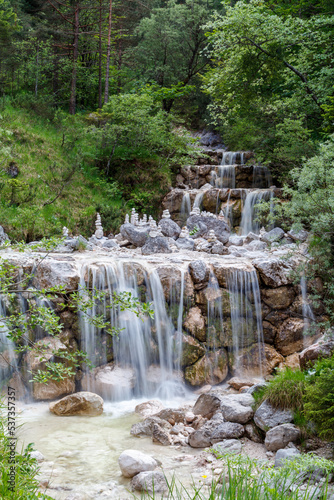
(133,462)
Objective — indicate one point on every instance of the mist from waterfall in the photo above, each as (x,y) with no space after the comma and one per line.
(149,350)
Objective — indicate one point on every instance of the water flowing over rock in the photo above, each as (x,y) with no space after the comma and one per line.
(79,403)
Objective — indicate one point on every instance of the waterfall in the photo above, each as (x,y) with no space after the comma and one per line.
(215,322)
(228,214)
(226,176)
(246,319)
(198,199)
(147,352)
(7,354)
(250,212)
(185,208)
(308,315)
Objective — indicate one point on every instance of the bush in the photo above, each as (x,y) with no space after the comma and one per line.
(286,390)
(319,397)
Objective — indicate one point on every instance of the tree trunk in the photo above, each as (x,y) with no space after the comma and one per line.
(75,60)
(106,91)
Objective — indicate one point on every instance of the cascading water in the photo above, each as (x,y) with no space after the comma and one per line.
(226,176)
(149,350)
(249,222)
(185,208)
(8,362)
(308,315)
(261,177)
(246,319)
(198,200)
(215,323)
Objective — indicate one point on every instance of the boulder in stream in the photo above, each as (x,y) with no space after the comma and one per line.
(79,403)
(133,462)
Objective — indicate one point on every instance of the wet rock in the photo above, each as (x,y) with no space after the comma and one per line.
(266,417)
(324,348)
(237,408)
(149,408)
(79,403)
(195,324)
(207,405)
(169,228)
(255,358)
(171,279)
(237,383)
(53,389)
(185,244)
(137,235)
(205,224)
(236,241)
(275,234)
(269,332)
(149,482)
(210,198)
(253,433)
(228,446)
(285,455)
(156,245)
(280,436)
(290,337)
(278,298)
(192,350)
(210,369)
(146,427)
(274,272)
(133,462)
(160,436)
(227,430)
(173,201)
(109,380)
(199,271)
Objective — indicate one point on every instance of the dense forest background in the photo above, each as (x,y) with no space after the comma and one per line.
(96,98)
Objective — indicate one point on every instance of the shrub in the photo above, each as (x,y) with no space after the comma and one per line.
(319,397)
(286,390)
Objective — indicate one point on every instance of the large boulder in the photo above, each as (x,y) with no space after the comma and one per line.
(137,235)
(159,244)
(169,228)
(237,408)
(133,462)
(205,224)
(79,403)
(194,323)
(207,405)
(150,482)
(185,244)
(210,369)
(281,435)
(274,235)
(227,430)
(266,417)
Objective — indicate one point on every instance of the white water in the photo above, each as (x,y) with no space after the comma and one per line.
(147,352)
(250,211)
(246,318)
(8,362)
(185,208)
(308,315)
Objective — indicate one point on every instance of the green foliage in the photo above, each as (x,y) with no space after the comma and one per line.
(285,390)
(319,397)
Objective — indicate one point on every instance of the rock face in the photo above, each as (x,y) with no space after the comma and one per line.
(290,337)
(149,482)
(79,403)
(136,235)
(133,462)
(274,272)
(281,435)
(199,271)
(53,389)
(323,348)
(210,369)
(266,417)
(195,324)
